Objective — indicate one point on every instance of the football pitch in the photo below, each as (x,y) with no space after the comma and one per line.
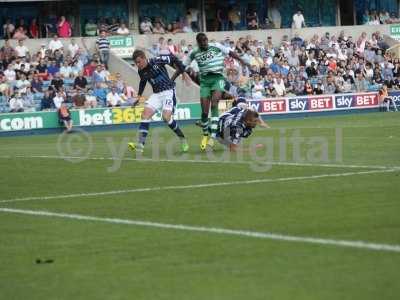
(313,214)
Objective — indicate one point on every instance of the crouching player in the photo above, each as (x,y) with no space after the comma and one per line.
(237,123)
(163,99)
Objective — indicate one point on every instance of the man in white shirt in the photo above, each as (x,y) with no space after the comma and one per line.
(58,99)
(123,30)
(22,84)
(73,48)
(113,98)
(16,104)
(279,86)
(55,44)
(10,73)
(298,20)
(21,50)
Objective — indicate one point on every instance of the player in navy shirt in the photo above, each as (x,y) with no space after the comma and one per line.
(155,72)
(235,124)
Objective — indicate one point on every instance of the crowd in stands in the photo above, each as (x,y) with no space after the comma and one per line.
(374,17)
(294,66)
(21,30)
(56,75)
(190,23)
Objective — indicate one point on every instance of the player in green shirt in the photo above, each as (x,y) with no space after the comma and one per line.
(210,59)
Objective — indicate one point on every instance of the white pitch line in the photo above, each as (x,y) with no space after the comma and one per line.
(243,233)
(205,161)
(197,186)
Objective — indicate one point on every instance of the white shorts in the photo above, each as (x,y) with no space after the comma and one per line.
(165,100)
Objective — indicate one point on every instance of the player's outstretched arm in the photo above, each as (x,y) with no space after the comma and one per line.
(262,123)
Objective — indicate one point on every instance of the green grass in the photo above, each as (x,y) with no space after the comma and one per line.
(95,260)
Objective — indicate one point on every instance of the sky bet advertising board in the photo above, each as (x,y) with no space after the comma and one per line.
(316,103)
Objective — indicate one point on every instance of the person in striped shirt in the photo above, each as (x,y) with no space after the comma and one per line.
(103,47)
(210,59)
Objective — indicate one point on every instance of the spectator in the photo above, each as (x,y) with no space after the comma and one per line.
(22,84)
(34,29)
(55,44)
(80,83)
(186,28)
(257,87)
(5,87)
(171,47)
(20,34)
(16,104)
(37,84)
(298,20)
(10,74)
(123,30)
(103,47)
(311,70)
(275,16)
(251,16)
(21,50)
(64,28)
(318,88)
(64,116)
(90,99)
(129,95)
(113,27)
(113,98)
(58,99)
(279,86)
(8,29)
(360,83)
(365,18)
(57,83)
(222,17)
(27,99)
(145,26)
(154,50)
(66,70)
(253,25)
(193,15)
(234,18)
(73,48)
(47,101)
(90,28)
(7,50)
(158,29)
(102,25)
(90,68)
(175,28)
(101,93)
(98,76)
(42,70)
(52,69)
(21,23)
